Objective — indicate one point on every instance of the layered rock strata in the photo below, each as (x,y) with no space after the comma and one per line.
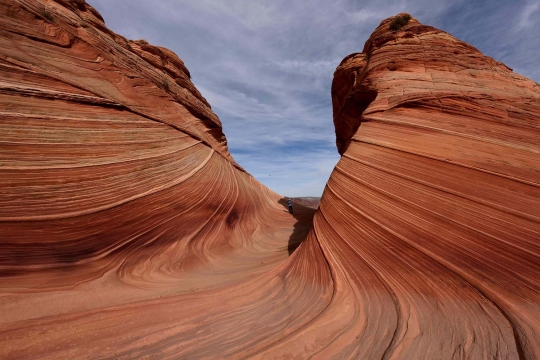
(435,203)
(124,220)
(128,231)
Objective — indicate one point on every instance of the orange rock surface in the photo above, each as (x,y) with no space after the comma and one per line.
(128,231)
(435,203)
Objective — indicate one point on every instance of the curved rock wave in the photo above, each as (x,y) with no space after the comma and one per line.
(128,231)
(436,197)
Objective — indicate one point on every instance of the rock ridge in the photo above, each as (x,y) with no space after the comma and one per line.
(78,26)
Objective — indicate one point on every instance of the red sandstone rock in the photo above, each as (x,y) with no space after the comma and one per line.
(119,197)
(431,219)
(128,231)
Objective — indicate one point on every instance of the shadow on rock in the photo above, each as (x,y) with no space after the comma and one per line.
(304,222)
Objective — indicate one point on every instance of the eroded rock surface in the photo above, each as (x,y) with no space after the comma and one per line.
(125,224)
(435,203)
(128,231)
(309,201)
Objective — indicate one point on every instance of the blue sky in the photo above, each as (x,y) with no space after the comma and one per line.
(266,66)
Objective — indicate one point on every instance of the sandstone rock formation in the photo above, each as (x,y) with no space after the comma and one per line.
(436,200)
(117,192)
(128,231)
(309,201)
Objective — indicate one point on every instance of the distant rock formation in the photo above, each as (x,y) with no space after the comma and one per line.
(128,231)
(308,201)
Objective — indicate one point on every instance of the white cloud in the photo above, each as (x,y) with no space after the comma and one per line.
(528,14)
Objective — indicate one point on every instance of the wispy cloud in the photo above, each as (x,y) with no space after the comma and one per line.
(266,66)
(529,15)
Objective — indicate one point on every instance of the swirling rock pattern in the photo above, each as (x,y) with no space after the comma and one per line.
(119,197)
(128,231)
(435,204)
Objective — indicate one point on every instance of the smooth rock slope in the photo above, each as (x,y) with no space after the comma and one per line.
(128,231)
